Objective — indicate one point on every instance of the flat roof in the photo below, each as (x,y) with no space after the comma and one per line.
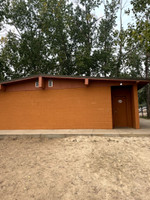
(140,82)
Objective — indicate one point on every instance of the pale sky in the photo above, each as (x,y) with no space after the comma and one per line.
(125,18)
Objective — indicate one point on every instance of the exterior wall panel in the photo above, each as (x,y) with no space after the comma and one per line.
(73,108)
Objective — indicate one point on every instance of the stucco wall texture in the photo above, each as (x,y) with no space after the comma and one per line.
(71,108)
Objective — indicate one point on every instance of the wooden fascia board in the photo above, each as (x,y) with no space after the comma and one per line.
(41,82)
(86,81)
(78,78)
(2,87)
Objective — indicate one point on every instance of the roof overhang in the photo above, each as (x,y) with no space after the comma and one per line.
(140,82)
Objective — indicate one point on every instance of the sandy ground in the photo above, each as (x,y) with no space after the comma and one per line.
(75,168)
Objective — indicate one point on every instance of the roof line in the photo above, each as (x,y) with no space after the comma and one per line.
(75,77)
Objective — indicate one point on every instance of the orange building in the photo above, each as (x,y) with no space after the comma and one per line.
(63,102)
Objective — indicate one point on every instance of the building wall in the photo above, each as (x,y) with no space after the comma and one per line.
(135,111)
(63,107)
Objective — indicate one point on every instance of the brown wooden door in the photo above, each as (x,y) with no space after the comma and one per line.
(120,111)
(121,106)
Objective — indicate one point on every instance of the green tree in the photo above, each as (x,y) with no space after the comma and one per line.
(40,42)
(133,65)
(57,38)
(84,36)
(138,48)
(57,23)
(104,55)
(141,34)
(1,25)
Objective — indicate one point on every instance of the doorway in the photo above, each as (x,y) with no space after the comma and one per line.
(121,106)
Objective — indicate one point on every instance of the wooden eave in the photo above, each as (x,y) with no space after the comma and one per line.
(140,82)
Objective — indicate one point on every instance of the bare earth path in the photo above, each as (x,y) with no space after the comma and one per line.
(75,168)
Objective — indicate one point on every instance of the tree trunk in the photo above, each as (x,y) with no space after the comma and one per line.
(120,43)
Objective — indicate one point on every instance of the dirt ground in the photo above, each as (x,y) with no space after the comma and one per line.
(75,168)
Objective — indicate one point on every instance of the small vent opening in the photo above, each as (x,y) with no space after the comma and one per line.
(50,83)
(36,83)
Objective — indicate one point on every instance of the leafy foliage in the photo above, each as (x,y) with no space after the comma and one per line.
(141,35)
(105,53)
(57,38)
